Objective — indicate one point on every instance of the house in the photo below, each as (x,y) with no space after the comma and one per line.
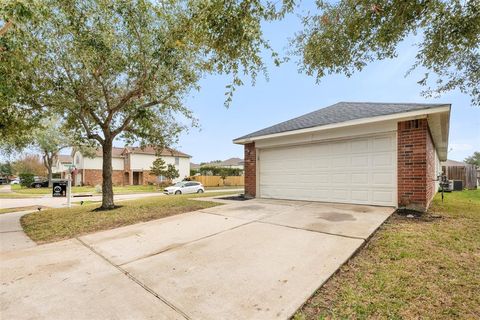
(131,165)
(61,164)
(235,163)
(456,170)
(384,154)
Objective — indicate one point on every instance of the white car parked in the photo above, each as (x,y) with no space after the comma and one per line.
(185,187)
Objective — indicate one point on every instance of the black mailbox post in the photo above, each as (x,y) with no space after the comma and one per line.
(59,189)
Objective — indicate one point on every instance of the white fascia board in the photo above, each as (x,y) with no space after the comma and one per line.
(410,114)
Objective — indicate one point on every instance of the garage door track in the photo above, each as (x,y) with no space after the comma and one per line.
(257,259)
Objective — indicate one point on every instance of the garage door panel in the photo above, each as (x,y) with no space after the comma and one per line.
(349,171)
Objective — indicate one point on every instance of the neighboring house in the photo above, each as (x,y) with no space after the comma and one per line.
(194,166)
(131,166)
(61,164)
(456,170)
(235,163)
(362,153)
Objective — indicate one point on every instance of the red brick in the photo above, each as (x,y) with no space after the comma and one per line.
(250,169)
(416,165)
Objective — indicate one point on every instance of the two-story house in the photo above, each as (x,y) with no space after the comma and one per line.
(61,164)
(131,165)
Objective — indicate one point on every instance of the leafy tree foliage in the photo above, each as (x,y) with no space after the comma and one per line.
(473,159)
(26,179)
(219,171)
(29,163)
(18,118)
(159,168)
(6,169)
(171,172)
(123,68)
(50,139)
(348,34)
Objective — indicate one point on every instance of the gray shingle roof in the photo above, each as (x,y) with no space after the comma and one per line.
(341,112)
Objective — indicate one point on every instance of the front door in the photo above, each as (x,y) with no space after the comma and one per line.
(136,178)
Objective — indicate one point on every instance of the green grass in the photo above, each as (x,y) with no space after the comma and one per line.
(86,189)
(13,195)
(58,224)
(427,267)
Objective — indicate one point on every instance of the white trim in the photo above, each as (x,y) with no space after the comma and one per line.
(417,113)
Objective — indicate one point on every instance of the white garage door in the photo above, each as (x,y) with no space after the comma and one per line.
(361,170)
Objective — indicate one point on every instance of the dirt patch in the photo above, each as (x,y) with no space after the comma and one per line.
(235,198)
(102,209)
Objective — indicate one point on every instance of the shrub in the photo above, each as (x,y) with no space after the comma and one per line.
(26,179)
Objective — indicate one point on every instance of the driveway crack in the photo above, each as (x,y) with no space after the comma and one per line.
(137,281)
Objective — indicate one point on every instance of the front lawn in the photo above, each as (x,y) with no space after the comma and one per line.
(87,189)
(58,224)
(19,190)
(427,267)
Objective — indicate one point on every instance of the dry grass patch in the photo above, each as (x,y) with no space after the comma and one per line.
(427,267)
(58,224)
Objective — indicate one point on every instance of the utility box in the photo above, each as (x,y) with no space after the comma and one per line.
(59,189)
(457,185)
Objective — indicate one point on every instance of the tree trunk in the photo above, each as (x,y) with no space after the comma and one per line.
(48,163)
(107,188)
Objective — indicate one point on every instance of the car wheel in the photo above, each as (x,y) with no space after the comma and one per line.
(38,186)
(178,192)
(199,191)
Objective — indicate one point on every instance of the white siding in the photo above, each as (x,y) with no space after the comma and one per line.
(357,170)
(143,162)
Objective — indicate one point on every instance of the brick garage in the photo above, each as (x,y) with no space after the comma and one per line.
(365,153)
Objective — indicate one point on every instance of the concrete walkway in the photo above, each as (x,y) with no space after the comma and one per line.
(49,201)
(257,259)
(5,188)
(12,236)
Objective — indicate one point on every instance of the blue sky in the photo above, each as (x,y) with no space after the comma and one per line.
(289,93)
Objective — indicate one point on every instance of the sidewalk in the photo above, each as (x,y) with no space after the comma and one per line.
(12,236)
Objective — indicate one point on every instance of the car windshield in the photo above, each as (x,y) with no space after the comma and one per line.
(179,184)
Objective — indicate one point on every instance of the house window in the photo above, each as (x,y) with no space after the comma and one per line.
(77,160)
(177,161)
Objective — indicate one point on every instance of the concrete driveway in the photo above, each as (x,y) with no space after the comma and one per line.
(257,259)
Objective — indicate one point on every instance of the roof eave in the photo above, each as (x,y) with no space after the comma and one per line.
(422,112)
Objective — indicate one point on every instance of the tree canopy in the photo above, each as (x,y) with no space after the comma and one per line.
(473,159)
(346,35)
(123,68)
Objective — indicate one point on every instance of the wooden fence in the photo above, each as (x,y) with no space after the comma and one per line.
(217,181)
(468,174)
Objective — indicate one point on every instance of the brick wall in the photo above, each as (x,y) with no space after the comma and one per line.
(93,177)
(250,169)
(148,178)
(431,174)
(416,165)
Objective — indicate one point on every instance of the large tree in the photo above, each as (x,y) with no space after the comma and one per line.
(17,119)
(123,68)
(348,34)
